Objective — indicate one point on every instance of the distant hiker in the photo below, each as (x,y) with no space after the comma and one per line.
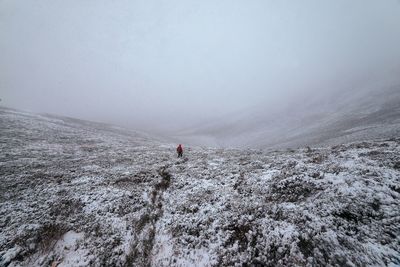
(179,149)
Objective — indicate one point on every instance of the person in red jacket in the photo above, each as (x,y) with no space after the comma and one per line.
(179,149)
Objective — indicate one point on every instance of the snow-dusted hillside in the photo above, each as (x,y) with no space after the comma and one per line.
(74,193)
(313,120)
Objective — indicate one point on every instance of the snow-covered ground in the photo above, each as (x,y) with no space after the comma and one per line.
(75,193)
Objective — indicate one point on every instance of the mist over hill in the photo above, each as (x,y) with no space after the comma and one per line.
(288,113)
(342,116)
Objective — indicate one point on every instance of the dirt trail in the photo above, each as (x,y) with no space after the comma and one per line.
(146,226)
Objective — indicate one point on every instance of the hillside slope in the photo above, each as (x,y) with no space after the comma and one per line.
(74,193)
(312,120)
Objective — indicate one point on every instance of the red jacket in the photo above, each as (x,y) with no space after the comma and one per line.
(179,149)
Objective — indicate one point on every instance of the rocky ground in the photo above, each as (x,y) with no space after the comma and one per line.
(75,193)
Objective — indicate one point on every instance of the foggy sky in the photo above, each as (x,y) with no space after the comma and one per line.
(166,64)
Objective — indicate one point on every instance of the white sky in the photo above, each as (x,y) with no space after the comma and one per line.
(169,63)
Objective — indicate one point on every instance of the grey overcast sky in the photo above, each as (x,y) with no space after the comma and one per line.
(165,63)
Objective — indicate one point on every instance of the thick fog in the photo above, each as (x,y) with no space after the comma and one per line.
(164,65)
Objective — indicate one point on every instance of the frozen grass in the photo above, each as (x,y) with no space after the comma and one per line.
(76,193)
